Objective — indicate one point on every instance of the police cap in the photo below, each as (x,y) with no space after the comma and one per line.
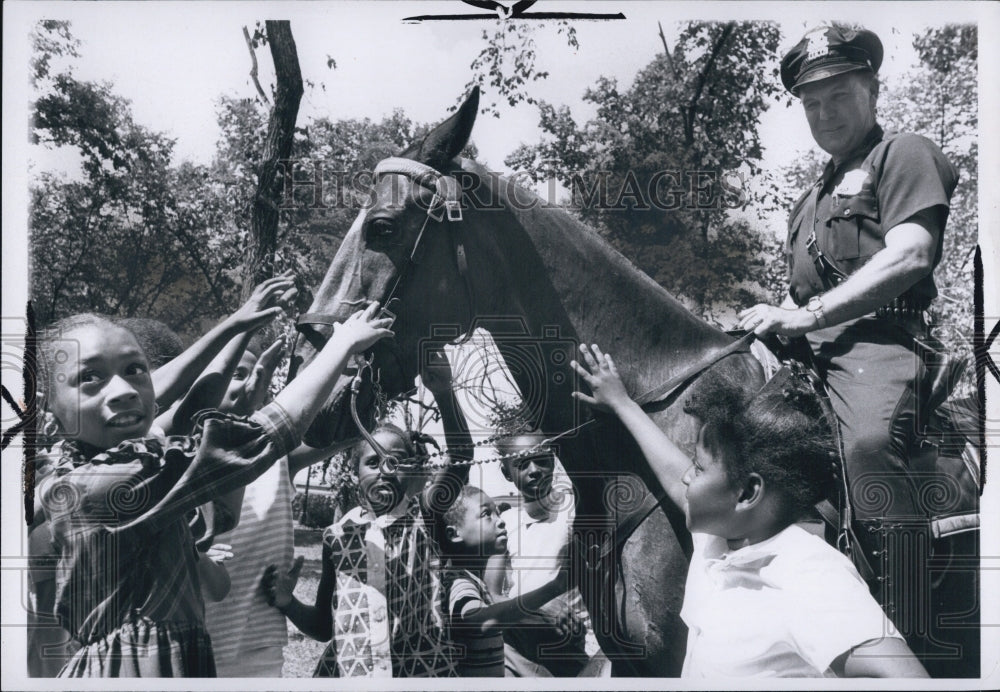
(827,51)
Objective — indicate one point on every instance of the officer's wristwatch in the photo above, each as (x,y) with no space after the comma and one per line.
(815,306)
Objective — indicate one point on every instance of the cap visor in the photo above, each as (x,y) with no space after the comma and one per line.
(825,73)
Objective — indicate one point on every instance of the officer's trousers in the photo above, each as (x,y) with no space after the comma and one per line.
(871,373)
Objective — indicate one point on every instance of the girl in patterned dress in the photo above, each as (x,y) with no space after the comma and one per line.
(380,600)
(126,587)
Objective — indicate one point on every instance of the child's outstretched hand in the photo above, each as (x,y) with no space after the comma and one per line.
(265,303)
(362,329)
(219,553)
(601,375)
(260,379)
(279,586)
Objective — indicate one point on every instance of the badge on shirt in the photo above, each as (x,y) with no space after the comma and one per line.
(851,184)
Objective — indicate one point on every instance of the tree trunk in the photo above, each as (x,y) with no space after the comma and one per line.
(259,263)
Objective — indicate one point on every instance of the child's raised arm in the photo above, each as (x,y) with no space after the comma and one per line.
(437,377)
(512,611)
(315,621)
(212,384)
(668,462)
(304,456)
(224,460)
(305,395)
(172,380)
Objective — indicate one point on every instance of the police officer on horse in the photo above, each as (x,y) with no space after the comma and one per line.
(862,245)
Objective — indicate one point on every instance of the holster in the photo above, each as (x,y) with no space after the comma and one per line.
(941,373)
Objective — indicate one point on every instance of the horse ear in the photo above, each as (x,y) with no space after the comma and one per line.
(446,141)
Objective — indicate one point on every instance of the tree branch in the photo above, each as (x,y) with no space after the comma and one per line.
(277,147)
(690,110)
(253,68)
(666,51)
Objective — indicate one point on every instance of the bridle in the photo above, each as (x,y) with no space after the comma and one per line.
(445,205)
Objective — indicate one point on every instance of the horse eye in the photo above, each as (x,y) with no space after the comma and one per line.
(382,228)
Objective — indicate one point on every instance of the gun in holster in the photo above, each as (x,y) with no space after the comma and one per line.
(942,371)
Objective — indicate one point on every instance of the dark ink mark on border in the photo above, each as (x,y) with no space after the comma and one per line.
(515,11)
(29,373)
(981,355)
(22,415)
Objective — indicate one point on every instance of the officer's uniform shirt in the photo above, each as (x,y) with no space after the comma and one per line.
(892,179)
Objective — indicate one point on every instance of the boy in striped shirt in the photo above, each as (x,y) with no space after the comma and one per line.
(248,635)
(470,533)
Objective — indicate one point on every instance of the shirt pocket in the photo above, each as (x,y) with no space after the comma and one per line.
(850,225)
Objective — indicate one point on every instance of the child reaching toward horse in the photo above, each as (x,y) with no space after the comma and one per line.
(470,533)
(127,588)
(379,599)
(49,645)
(764,598)
(248,635)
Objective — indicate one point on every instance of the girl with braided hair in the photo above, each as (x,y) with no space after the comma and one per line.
(380,600)
(764,597)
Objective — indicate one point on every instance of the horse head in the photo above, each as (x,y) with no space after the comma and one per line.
(396,252)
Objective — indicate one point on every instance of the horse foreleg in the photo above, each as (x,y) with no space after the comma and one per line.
(634,596)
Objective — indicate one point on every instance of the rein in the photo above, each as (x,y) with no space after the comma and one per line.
(387,462)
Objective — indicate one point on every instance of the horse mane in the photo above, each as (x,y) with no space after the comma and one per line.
(609,300)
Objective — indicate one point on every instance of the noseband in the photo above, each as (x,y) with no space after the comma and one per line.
(444,205)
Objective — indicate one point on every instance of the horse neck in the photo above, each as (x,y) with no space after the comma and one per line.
(558,272)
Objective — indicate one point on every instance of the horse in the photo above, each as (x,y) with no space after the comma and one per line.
(451,247)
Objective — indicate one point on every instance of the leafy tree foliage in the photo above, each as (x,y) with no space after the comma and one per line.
(506,66)
(136,234)
(114,241)
(51,41)
(664,163)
